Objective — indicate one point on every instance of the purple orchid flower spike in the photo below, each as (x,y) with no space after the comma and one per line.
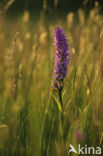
(62,57)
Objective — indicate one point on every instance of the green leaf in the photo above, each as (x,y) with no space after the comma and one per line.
(58,103)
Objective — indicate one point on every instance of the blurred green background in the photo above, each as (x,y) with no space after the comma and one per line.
(30,114)
(62,6)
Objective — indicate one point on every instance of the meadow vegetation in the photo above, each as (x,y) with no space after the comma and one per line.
(30,123)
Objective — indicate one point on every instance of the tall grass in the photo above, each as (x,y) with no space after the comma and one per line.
(29,114)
